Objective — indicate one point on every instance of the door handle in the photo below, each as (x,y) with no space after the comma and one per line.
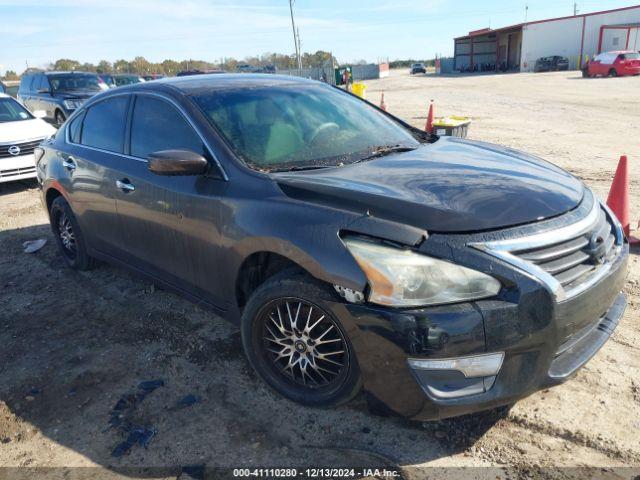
(124,185)
(69,163)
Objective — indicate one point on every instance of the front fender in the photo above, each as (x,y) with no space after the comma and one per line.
(307,235)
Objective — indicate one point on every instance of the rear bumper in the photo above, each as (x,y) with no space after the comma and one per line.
(629,71)
(538,352)
(17,168)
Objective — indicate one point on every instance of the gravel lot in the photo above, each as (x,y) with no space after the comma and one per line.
(72,344)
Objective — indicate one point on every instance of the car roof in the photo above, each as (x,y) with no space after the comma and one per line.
(618,52)
(60,72)
(4,95)
(223,81)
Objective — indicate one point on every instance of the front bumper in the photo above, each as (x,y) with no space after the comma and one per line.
(532,333)
(17,168)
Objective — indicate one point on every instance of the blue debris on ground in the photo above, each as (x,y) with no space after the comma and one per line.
(186,401)
(140,435)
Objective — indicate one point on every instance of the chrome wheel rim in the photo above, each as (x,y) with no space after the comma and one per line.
(304,344)
(65,232)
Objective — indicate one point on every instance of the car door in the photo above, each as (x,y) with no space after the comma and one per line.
(26,91)
(597,67)
(45,100)
(94,143)
(37,96)
(169,224)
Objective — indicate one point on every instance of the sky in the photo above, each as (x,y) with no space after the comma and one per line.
(38,32)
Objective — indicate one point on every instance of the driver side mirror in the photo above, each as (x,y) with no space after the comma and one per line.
(177,162)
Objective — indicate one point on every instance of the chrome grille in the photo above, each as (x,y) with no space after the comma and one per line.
(571,261)
(26,148)
(16,172)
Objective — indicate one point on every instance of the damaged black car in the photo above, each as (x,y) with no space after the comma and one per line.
(442,276)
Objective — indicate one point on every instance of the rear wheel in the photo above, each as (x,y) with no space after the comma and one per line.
(296,345)
(68,236)
(613,72)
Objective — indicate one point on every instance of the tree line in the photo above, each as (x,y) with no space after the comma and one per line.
(142,66)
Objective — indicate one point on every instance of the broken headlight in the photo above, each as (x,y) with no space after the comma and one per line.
(403,278)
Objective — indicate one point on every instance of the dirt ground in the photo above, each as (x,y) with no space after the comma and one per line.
(72,344)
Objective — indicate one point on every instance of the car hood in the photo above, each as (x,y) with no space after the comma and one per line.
(24,130)
(452,185)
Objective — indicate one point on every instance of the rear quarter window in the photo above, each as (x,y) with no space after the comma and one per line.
(104,124)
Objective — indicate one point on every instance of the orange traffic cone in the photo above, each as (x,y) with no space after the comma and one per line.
(618,199)
(429,126)
(383,105)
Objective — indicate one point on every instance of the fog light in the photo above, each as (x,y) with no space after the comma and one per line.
(457,377)
(476,366)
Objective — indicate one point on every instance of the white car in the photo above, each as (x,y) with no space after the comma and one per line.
(20,133)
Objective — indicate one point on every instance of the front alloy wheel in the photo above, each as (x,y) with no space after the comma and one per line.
(297,345)
(303,343)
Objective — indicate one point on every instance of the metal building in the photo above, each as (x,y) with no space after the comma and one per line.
(517,47)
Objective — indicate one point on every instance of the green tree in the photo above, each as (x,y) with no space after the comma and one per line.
(140,65)
(65,64)
(11,75)
(121,66)
(105,66)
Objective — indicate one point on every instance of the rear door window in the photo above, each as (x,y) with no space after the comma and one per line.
(75,127)
(25,84)
(38,83)
(156,125)
(104,124)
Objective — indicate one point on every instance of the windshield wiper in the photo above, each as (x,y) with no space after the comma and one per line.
(297,168)
(382,150)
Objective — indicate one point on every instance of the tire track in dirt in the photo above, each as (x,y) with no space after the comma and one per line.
(577,438)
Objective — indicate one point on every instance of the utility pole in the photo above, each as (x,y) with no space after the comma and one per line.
(575,8)
(295,38)
(526,12)
(299,51)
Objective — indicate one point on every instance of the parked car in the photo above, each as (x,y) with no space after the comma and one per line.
(20,133)
(551,64)
(187,73)
(418,68)
(613,64)
(108,79)
(445,276)
(58,94)
(122,79)
(153,76)
(3,88)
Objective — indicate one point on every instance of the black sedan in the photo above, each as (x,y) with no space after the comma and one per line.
(418,68)
(443,276)
(551,64)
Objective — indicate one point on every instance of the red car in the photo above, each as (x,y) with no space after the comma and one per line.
(614,64)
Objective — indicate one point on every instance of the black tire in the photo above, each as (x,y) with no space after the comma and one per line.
(68,235)
(308,298)
(60,118)
(613,72)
